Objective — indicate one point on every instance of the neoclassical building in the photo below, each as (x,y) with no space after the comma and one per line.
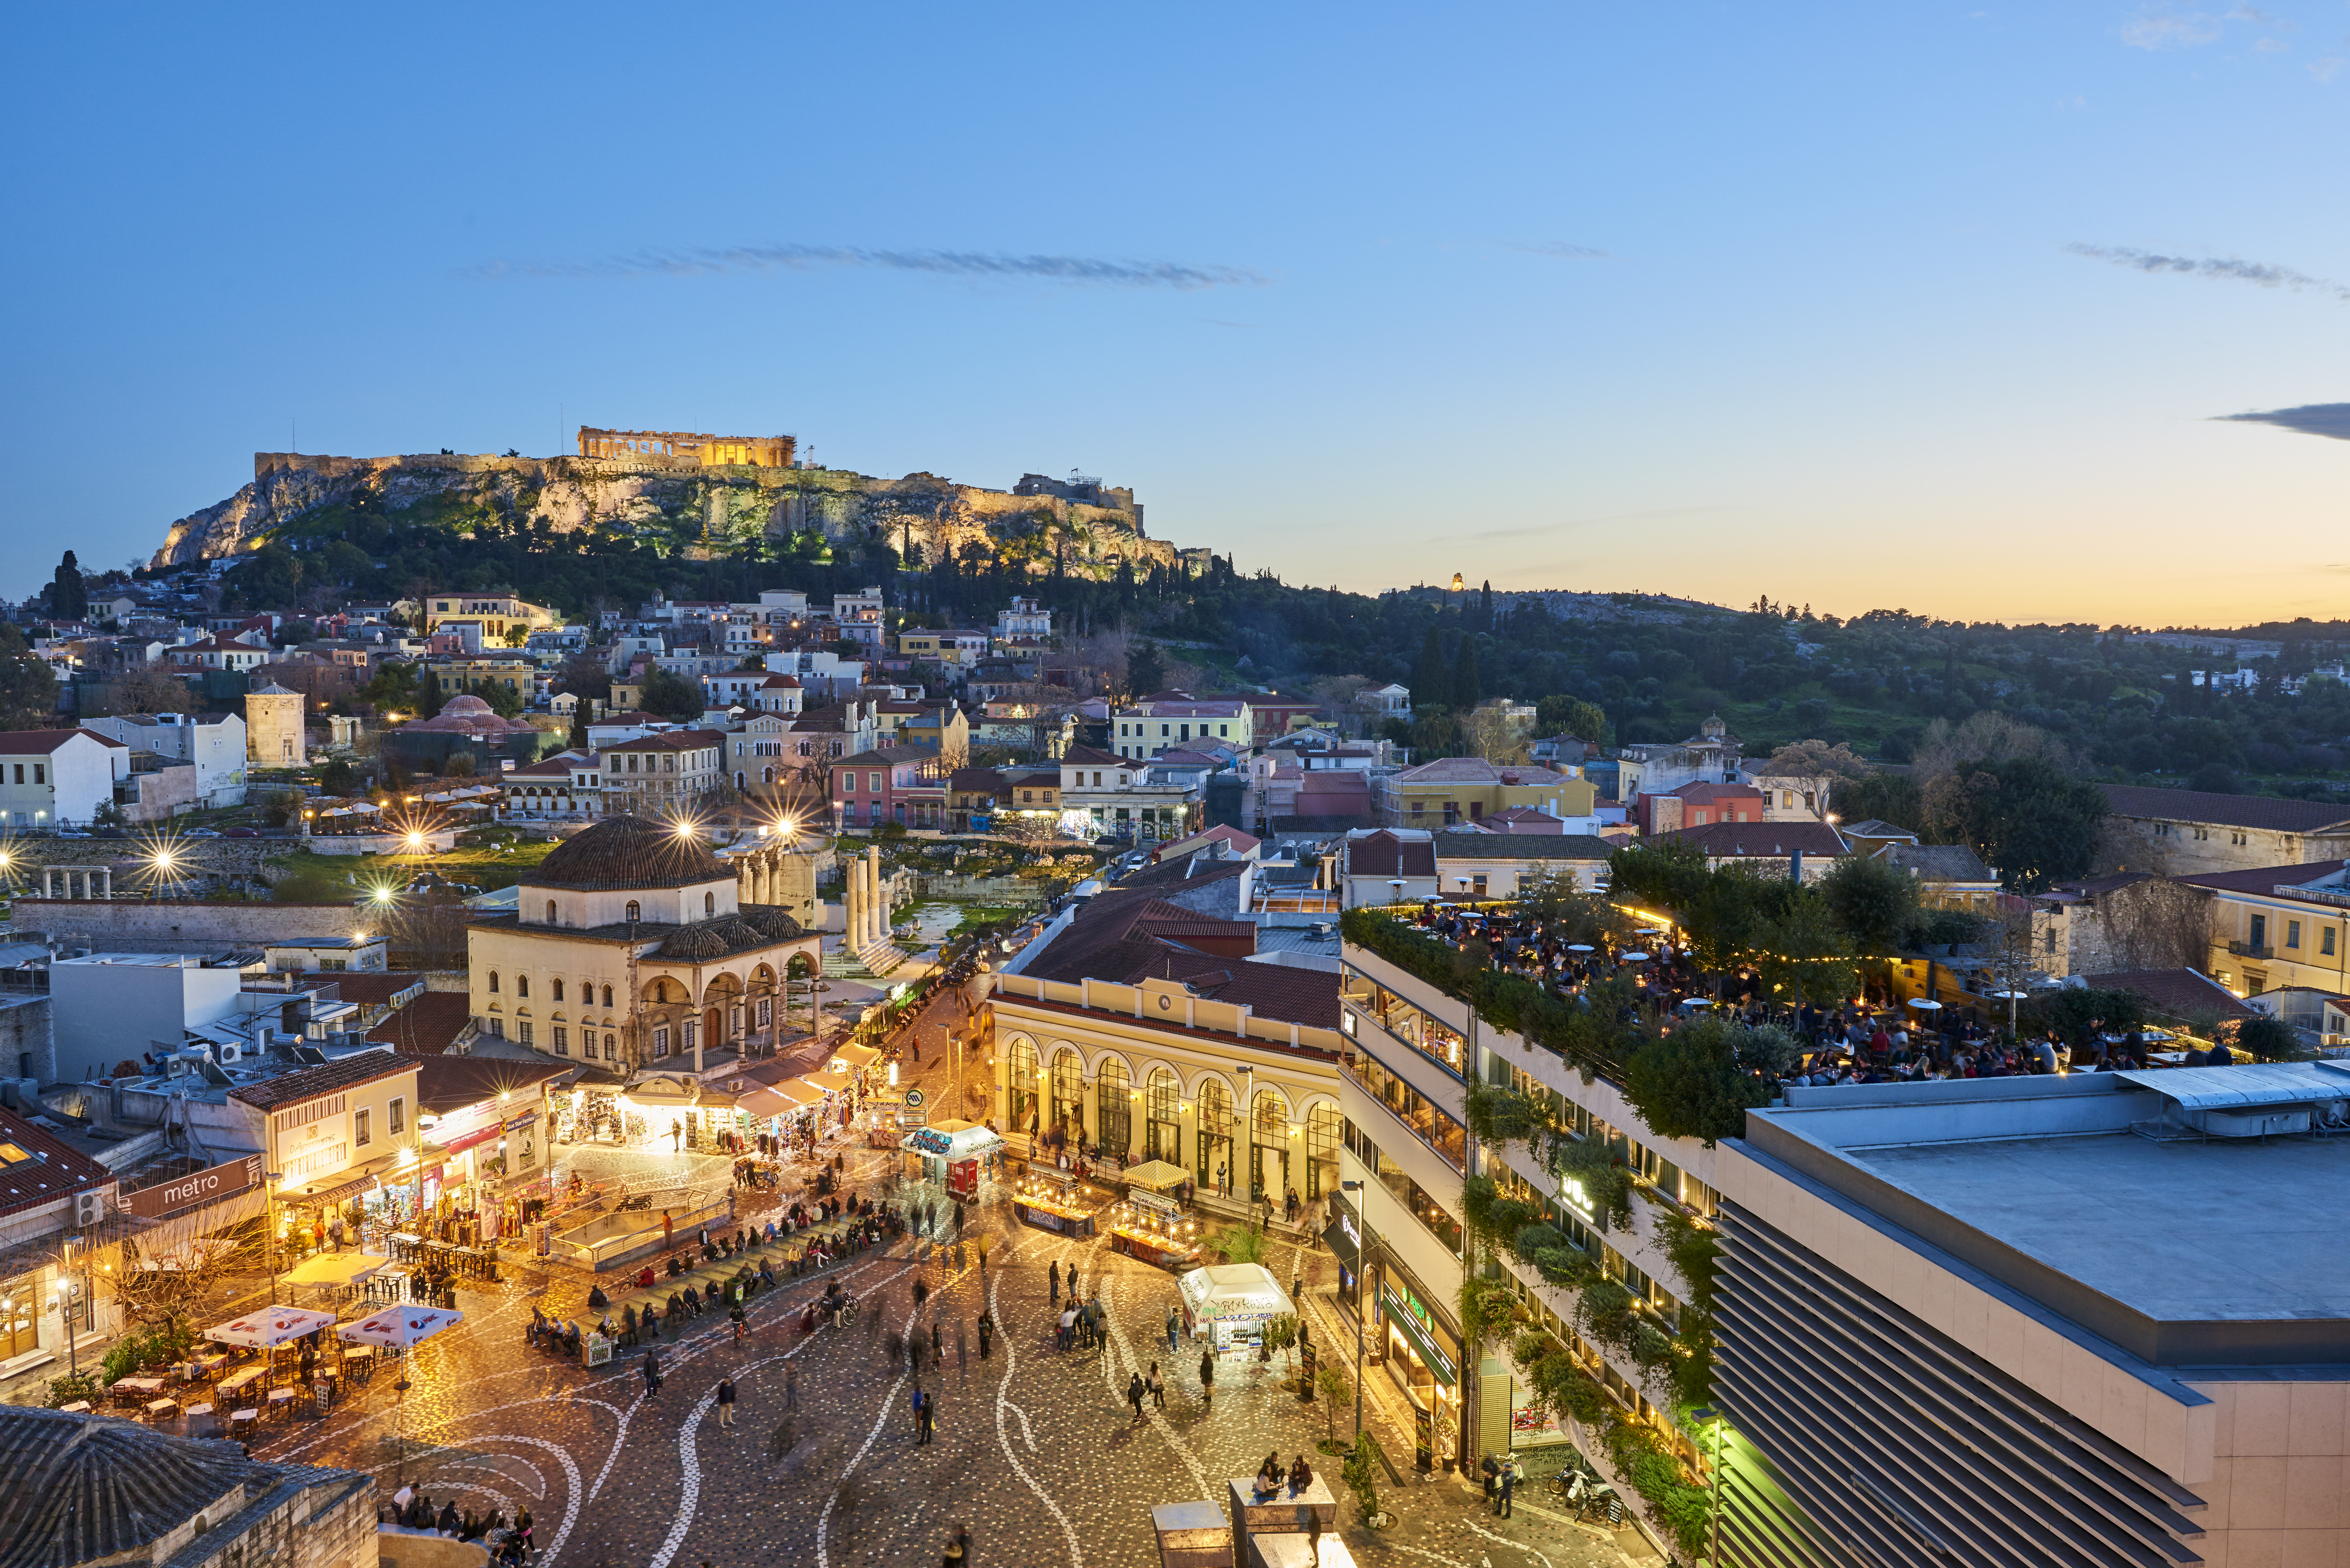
(1151,1027)
(634,949)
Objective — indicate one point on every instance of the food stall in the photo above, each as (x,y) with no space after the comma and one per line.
(1155,1230)
(951,1152)
(1054,1200)
(1228,1305)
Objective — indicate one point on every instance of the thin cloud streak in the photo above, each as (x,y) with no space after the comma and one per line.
(715,261)
(2228,269)
(1610,517)
(1557,250)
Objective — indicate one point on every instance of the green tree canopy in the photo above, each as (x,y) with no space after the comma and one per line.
(1872,902)
(1572,716)
(672,696)
(29,692)
(1468,689)
(2024,817)
(68,597)
(1145,668)
(1431,684)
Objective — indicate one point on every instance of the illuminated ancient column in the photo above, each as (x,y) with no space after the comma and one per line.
(880,899)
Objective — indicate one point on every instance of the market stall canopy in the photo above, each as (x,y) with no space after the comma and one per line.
(272,1326)
(335,1269)
(764,1101)
(1234,1291)
(666,1091)
(397,1328)
(853,1058)
(952,1140)
(1155,1175)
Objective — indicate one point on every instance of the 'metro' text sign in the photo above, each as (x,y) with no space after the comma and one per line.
(222,1180)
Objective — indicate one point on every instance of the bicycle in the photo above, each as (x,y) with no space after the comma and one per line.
(846,1317)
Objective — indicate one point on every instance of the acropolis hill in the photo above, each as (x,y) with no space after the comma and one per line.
(657,483)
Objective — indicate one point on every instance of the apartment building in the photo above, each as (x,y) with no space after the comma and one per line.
(2191,832)
(663,774)
(1449,790)
(500,615)
(2279,926)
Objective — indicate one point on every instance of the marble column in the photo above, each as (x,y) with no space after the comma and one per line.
(852,907)
(880,899)
(106,884)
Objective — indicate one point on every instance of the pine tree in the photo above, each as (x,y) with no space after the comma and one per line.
(1465,686)
(1430,687)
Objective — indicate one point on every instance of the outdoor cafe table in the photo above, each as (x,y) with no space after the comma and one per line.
(237,1383)
(146,1388)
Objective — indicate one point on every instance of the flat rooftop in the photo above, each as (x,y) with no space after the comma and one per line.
(2182,1251)
(2234,1229)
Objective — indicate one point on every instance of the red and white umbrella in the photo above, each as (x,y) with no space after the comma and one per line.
(272,1326)
(399,1327)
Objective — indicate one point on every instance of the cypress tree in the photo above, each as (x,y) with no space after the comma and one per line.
(69,599)
(1430,687)
(1465,686)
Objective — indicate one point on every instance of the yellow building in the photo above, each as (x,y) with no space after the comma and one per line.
(472,671)
(498,613)
(333,1133)
(1466,789)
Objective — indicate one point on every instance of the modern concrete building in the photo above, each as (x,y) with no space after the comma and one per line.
(1934,1350)
(109,1008)
(215,742)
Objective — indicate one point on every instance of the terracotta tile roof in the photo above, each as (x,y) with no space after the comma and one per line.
(426,1026)
(1384,855)
(673,740)
(1940,862)
(2263,878)
(1762,840)
(1116,938)
(1088,757)
(2253,811)
(374,988)
(452,1083)
(54,1168)
(1520,846)
(2176,991)
(309,1083)
(41,743)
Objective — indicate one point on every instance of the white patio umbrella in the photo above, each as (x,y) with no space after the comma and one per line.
(397,1328)
(270,1327)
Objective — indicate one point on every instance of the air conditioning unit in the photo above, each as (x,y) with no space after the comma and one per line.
(89,1209)
(229,1052)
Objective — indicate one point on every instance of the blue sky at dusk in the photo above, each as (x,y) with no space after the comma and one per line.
(1936,307)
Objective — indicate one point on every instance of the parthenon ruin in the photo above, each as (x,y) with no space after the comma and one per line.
(764,451)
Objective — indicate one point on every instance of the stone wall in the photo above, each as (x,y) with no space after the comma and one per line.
(28,1049)
(170,926)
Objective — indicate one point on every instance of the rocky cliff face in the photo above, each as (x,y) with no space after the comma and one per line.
(675,503)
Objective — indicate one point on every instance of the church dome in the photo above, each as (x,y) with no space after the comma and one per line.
(627,852)
(465,705)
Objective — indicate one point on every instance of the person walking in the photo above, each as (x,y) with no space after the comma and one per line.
(740,1324)
(921,1294)
(1074,1293)
(1157,1386)
(916,1406)
(1134,1392)
(1491,1469)
(725,1404)
(1173,1325)
(791,1387)
(930,1417)
(1053,1281)
(1207,1381)
(653,1372)
(938,1347)
(986,1332)
(962,1352)
(1509,1485)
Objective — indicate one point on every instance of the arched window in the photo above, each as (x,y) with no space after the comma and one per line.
(766,775)
(607,996)
(635,914)
(1269,1146)
(1023,1079)
(742,779)
(1215,1135)
(1162,1132)
(1113,1091)
(608,1043)
(522,985)
(550,911)
(494,983)
(558,991)
(1069,1093)
(709,904)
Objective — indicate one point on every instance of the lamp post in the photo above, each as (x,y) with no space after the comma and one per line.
(1362,1306)
(269,1225)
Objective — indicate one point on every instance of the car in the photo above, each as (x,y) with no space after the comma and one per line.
(202,833)
(71,833)
(241,833)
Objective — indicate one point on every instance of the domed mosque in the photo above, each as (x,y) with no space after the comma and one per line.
(632,951)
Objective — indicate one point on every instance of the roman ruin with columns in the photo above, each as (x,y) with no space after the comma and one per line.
(867,904)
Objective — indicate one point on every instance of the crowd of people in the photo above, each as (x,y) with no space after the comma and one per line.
(410,1508)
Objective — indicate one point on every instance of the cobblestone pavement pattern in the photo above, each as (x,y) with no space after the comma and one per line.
(1036,1451)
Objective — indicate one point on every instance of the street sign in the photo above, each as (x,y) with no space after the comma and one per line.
(913,1096)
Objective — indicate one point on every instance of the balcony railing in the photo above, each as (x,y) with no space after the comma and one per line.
(2249,949)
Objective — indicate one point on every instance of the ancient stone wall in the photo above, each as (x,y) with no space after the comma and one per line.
(168,926)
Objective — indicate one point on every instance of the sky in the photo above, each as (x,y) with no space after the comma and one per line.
(1909,306)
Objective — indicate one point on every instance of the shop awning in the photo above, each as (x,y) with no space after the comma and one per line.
(822,1089)
(342,1184)
(857,1056)
(479,1134)
(764,1102)
(1342,1247)
(334,1269)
